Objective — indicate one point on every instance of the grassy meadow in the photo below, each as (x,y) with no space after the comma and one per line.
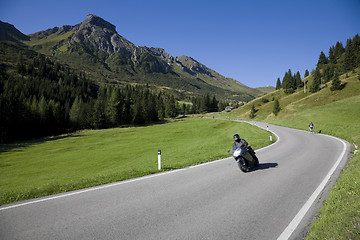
(88,158)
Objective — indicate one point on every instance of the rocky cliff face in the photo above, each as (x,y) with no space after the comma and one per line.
(102,34)
(192,66)
(98,34)
(93,31)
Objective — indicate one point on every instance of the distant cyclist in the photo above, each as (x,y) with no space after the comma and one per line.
(311,126)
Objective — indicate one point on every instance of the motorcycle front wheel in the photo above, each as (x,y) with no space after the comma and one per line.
(241,164)
(256,164)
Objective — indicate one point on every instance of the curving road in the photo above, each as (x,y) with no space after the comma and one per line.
(209,201)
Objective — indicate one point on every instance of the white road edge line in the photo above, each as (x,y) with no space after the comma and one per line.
(75,192)
(300,215)
(283,236)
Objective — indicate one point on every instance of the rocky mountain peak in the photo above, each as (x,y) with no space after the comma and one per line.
(98,21)
(101,34)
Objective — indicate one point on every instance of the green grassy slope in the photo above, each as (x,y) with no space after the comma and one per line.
(292,103)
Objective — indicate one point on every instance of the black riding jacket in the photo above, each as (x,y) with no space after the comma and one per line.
(241,144)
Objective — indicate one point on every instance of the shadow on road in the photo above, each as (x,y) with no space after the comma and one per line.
(263,166)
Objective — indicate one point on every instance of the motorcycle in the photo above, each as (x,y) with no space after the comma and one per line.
(245,160)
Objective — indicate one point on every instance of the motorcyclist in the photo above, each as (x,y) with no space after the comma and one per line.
(241,143)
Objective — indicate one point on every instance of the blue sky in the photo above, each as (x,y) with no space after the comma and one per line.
(252,41)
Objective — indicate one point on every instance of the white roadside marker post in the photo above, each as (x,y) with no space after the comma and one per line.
(267,129)
(159,159)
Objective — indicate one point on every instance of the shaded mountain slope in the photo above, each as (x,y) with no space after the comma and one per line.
(95,47)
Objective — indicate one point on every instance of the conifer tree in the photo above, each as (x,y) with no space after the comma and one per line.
(288,83)
(297,79)
(315,86)
(99,116)
(356,49)
(170,107)
(87,120)
(336,83)
(328,72)
(75,112)
(338,50)
(43,108)
(278,84)
(127,114)
(151,111)
(252,112)
(332,58)
(214,105)
(276,108)
(139,112)
(349,57)
(182,109)
(114,108)
(160,106)
(205,104)
(322,59)
(306,73)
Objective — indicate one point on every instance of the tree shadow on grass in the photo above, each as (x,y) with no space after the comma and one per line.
(18,146)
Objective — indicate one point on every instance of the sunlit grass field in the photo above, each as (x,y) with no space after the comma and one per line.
(88,158)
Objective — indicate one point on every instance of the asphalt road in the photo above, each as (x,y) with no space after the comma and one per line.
(209,201)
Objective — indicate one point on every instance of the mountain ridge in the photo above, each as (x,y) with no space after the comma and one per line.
(94,47)
(8,32)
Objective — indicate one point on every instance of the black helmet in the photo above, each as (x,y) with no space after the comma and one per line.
(236,138)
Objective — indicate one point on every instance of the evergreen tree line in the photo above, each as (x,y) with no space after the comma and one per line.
(290,82)
(36,96)
(339,61)
(205,104)
(40,98)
